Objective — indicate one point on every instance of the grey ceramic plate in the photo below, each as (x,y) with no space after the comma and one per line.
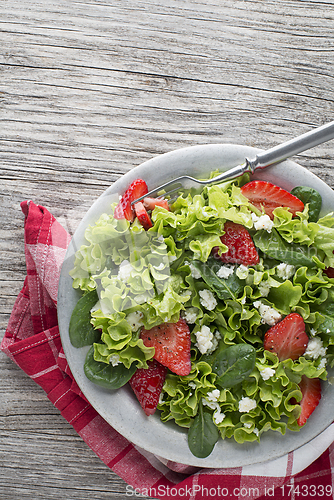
(120,408)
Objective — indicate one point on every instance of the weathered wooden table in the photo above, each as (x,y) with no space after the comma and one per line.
(89,89)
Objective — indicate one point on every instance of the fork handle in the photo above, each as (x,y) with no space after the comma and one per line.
(292,147)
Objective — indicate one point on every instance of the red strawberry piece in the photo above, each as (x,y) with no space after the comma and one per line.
(142,215)
(124,209)
(241,249)
(267,196)
(311,395)
(287,338)
(147,384)
(151,203)
(171,342)
(329,271)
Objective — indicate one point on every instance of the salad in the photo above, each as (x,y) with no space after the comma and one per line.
(218,309)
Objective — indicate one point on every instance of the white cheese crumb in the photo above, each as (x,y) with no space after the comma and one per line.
(218,416)
(194,272)
(124,271)
(264,288)
(315,348)
(322,364)
(285,271)
(192,385)
(268,314)
(246,404)
(267,373)
(114,360)
(135,320)
(213,395)
(248,425)
(225,271)
(204,339)
(190,315)
(313,332)
(207,299)
(215,342)
(262,222)
(256,431)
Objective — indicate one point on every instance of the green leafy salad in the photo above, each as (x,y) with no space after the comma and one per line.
(249,372)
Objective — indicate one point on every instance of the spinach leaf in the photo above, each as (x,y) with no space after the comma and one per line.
(108,376)
(225,289)
(273,245)
(81,331)
(232,364)
(312,197)
(203,434)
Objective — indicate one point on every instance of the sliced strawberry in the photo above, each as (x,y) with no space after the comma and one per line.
(151,203)
(329,271)
(241,249)
(311,395)
(142,215)
(267,196)
(147,384)
(124,209)
(172,345)
(287,338)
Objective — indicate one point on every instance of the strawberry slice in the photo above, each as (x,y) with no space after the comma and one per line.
(124,209)
(267,196)
(311,395)
(142,215)
(241,249)
(151,203)
(171,342)
(147,384)
(287,338)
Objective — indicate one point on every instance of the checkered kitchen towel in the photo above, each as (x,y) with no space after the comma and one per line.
(32,341)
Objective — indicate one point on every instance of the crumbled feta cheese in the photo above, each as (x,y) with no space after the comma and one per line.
(192,385)
(315,348)
(313,332)
(207,299)
(242,272)
(264,288)
(246,404)
(322,364)
(213,395)
(243,300)
(190,315)
(248,425)
(114,360)
(194,272)
(135,320)
(215,342)
(225,271)
(267,373)
(256,431)
(218,416)
(268,314)
(285,271)
(124,271)
(262,222)
(204,339)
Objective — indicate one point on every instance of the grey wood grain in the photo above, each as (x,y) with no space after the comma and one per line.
(91,88)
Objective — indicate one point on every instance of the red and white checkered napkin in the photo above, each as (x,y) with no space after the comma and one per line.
(32,341)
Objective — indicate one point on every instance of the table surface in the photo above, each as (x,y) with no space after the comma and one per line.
(91,88)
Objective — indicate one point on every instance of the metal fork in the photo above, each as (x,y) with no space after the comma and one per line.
(265,159)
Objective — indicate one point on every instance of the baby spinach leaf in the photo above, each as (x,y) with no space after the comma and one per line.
(203,434)
(106,375)
(225,289)
(312,197)
(81,331)
(233,364)
(273,245)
